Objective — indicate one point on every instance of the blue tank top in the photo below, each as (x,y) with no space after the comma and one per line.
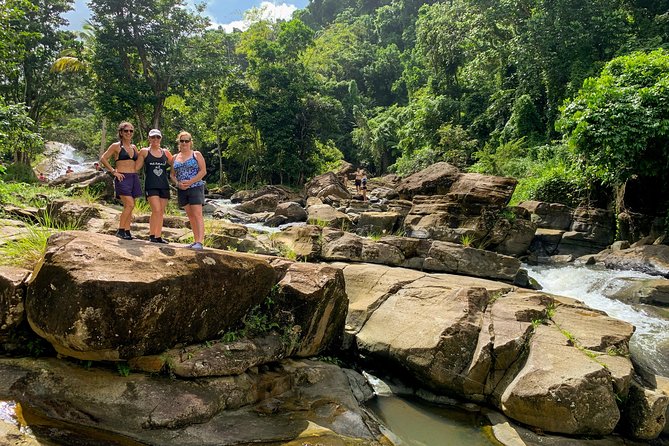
(187,170)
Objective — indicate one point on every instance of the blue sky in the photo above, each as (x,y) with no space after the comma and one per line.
(226,13)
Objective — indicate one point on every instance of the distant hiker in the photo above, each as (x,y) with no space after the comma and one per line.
(188,170)
(155,161)
(363,186)
(41,177)
(69,170)
(358,180)
(96,166)
(126,180)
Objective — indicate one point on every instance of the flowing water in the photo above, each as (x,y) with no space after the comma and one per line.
(58,156)
(594,287)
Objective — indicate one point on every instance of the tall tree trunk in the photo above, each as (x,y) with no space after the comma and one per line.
(103,137)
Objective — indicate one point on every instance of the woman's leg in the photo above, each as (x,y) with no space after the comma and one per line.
(194,212)
(156,218)
(126,215)
(159,224)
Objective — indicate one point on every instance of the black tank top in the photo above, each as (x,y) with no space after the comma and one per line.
(155,172)
(123,154)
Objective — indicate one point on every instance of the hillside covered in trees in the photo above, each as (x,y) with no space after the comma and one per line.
(570,97)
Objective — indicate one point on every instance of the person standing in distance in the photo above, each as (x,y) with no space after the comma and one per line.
(188,171)
(126,180)
(155,161)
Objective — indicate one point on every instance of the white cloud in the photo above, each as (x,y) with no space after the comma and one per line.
(266,11)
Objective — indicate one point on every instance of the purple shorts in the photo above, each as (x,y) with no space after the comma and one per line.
(129,186)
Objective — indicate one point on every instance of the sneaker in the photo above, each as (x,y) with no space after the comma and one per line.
(153,239)
(120,234)
(196,245)
(128,236)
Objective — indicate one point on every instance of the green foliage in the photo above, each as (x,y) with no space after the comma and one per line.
(17,136)
(27,195)
(618,125)
(27,247)
(144,52)
(123,368)
(454,147)
(466,240)
(36,346)
(20,173)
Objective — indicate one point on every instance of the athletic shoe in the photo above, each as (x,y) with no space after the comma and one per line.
(120,233)
(153,239)
(128,236)
(196,245)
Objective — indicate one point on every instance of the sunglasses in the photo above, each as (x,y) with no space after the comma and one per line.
(155,137)
(128,131)
(184,141)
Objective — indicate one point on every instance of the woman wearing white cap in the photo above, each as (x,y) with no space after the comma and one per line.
(155,160)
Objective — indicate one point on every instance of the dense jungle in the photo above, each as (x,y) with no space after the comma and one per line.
(569,97)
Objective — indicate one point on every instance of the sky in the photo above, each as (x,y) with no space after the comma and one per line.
(225,13)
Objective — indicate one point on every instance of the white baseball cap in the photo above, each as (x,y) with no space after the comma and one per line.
(155,132)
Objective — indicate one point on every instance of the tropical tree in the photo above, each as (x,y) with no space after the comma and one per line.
(618,124)
(141,55)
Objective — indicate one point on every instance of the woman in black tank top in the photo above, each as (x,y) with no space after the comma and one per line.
(156,183)
(126,182)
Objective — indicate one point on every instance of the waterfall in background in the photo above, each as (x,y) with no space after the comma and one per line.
(59,156)
(595,287)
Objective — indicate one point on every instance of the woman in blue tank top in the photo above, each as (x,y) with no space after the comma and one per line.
(188,170)
(155,161)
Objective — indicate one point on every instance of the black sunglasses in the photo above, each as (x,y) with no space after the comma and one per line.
(184,141)
(128,131)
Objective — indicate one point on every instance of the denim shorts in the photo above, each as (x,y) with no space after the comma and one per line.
(129,186)
(192,195)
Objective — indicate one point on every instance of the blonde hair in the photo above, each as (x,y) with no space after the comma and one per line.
(122,127)
(184,133)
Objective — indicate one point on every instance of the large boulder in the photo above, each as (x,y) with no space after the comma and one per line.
(591,231)
(98,297)
(304,241)
(651,259)
(327,185)
(305,316)
(420,254)
(263,203)
(292,211)
(12,295)
(436,179)
(650,291)
(292,402)
(68,213)
(546,361)
(459,215)
(325,215)
(549,215)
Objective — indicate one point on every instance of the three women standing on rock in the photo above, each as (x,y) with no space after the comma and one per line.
(188,170)
(155,161)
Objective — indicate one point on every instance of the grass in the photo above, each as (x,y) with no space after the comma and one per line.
(466,240)
(318,222)
(24,195)
(28,248)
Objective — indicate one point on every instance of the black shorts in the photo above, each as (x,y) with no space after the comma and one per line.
(162,193)
(358,182)
(192,195)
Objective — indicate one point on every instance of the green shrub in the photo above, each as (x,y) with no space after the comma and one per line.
(20,173)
